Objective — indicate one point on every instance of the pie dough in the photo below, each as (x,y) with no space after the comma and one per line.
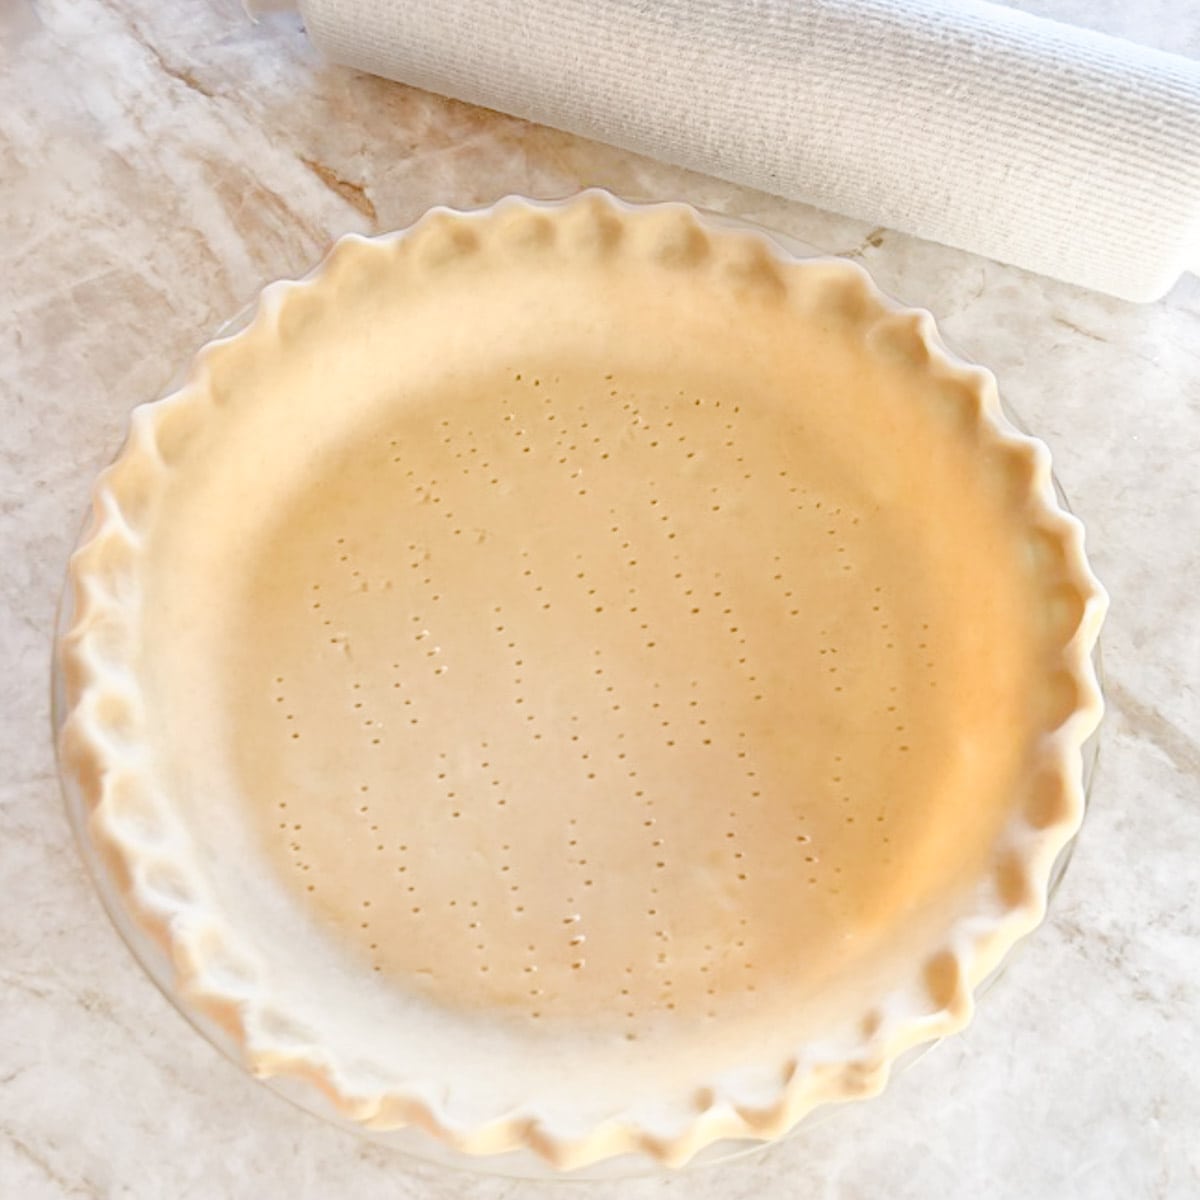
(569,677)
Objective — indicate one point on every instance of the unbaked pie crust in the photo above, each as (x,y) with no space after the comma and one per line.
(568,677)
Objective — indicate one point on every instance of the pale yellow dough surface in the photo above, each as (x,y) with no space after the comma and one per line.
(597,637)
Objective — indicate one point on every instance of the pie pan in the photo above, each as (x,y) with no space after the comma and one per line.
(575,684)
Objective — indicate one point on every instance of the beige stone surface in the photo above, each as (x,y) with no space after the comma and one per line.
(159,164)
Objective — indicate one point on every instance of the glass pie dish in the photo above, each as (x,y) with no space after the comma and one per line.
(577,687)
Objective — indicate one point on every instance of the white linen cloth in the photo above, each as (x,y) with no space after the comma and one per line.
(1063,151)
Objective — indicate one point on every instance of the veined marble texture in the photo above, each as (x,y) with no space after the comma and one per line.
(159,163)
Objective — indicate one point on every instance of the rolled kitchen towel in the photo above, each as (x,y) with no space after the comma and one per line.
(1060,150)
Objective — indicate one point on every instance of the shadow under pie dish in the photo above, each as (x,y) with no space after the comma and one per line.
(575,680)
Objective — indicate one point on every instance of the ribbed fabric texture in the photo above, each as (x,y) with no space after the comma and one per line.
(1060,150)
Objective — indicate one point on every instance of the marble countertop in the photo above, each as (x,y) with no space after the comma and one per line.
(158,164)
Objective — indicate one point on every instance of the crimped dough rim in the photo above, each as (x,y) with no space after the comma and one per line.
(99,739)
